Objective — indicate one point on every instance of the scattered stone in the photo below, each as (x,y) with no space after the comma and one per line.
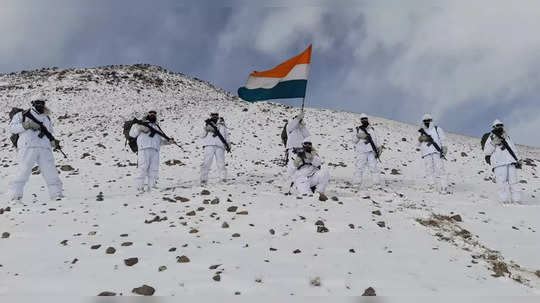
(216,278)
(95,246)
(225,225)
(352,250)
(334,198)
(272,231)
(376,212)
(214,266)
(173,162)
(381,224)
(131,261)
(316,281)
(162,268)
(205,192)
(499,269)
(232,209)
(191,213)
(464,154)
(172,249)
(182,259)
(537,273)
(66,168)
(110,250)
(395,172)
(127,244)
(181,199)
(215,201)
(456,218)
(369,292)
(297,251)
(523,181)
(107,294)
(244,212)
(5,235)
(322,229)
(235,235)
(144,290)
(319,223)
(64,242)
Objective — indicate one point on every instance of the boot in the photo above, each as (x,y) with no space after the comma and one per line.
(322,197)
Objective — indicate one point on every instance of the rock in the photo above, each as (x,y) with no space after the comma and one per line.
(395,172)
(64,242)
(322,229)
(456,218)
(272,231)
(316,281)
(191,213)
(172,249)
(319,223)
(144,290)
(235,235)
(162,268)
(110,250)
(66,168)
(5,235)
(334,198)
(215,201)
(173,162)
(106,294)
(225,225)
(464,154)
(127,244)
(181,199)
(244,212)
(352,250)
(131,261)
(232,209)
(182,259)
(95,246)
(376,212)
(523,181)
(216,278)
(381,224)
(404,139)
(297,251)
(214,266)
(370,292)
(205,192)
(537,273)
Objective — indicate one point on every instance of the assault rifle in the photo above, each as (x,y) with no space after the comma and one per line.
(154,131)
(431,141)
(217,133)
(370,140)
(507,146)
(43,131)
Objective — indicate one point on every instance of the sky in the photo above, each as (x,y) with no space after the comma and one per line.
(465,62)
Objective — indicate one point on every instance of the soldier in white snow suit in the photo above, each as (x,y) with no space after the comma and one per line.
(366,156)
(214,146)
(433,158)
(35,148)
(308,175)
(149,145)
(296,134)
(503,162)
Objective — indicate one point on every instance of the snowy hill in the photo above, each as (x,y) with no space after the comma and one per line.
(246,236)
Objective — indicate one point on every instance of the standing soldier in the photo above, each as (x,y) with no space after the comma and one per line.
(149,143)
(35,147)
(296,134)
(215,142)
(501,153)
(368,149)
(432,142)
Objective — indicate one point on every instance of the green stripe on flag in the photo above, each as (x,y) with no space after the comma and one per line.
(283,90)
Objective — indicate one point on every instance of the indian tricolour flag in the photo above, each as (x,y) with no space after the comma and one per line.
(287,80)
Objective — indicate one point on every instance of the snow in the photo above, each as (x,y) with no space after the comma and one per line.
(402,258)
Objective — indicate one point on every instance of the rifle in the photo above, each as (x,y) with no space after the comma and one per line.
(154,131)
(220,136)
(43,131)
(431,141)
(370,140)
(505,144)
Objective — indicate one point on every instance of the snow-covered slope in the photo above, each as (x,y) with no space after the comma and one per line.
(246,236)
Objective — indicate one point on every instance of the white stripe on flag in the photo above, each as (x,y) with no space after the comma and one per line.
(299,72)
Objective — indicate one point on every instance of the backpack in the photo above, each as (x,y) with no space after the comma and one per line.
(132,142)
(484,139)
(15,137)
(284,135)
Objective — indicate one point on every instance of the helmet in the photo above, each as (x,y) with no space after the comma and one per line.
(427,117)
(496,122)
(363,116)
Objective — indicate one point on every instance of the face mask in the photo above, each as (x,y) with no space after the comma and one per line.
(40,108)
(498,131)
(426,123)
(152,118)
(214,119)
(365,123)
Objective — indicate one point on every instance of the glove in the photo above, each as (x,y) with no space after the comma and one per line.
(444,150)
(209,128)
(488,160)
(31,125)
(423,138)
(379,150)
(519,164)
(55,144)
(361,135)
(143,129)
(171,141)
